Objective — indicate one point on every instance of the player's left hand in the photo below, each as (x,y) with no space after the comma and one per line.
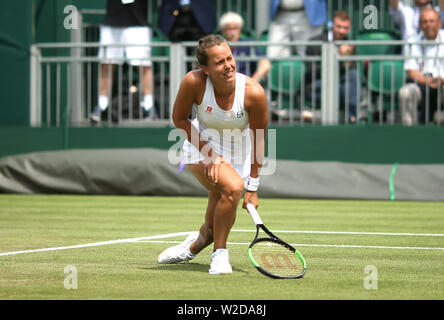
(250,197)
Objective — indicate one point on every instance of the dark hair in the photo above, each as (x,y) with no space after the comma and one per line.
(205,43)
(342,15)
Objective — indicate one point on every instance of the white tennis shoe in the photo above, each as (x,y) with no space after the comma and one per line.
(220,262)
(180,252)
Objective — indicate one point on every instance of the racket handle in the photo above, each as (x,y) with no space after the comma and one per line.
(254,214)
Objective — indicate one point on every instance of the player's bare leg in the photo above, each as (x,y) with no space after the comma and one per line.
(229,188)
(206,230)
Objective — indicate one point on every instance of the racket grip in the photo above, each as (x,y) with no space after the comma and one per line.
(254,214)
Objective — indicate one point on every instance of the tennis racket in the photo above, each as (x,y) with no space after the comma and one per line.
(272,256)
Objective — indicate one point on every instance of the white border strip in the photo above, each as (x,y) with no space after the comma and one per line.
(96,244)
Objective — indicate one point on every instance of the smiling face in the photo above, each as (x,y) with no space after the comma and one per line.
(341,28)
(221,66)
(430,23)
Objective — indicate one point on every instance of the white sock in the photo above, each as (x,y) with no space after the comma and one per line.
(147,101)
(103,102)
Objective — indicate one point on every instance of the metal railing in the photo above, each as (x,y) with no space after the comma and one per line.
(64,85)
(384,76)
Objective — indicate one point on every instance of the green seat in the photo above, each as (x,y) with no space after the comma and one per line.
(378,35)
(383,49)
(285,82)
(286,76)
(248,34)
(385,79)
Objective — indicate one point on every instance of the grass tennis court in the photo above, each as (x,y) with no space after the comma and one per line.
(113,242)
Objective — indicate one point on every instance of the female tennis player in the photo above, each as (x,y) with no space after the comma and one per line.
(224,148)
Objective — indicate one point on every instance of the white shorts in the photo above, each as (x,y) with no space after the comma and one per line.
(192,156)
(137,56)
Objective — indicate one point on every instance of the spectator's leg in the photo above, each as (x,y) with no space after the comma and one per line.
(409,98)
(350,88)
(302,30)
(106,78)
(279,32)
(109,56)
(147,84)
(141,56)
(313,92)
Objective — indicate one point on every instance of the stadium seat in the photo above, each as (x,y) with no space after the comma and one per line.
(286,76)
(385,79)
(248,34)
(285,84)
(378,35)
(383,49)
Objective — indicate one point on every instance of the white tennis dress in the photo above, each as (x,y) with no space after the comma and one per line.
(227,132)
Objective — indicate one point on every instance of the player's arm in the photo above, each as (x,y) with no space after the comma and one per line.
(257,107)
(190,92)
(187,95)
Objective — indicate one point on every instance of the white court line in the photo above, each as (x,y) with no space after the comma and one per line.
(96,244)
(316,245)
(351,232)
(170,235)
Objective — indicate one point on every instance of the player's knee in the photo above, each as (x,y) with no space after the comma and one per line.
(233,192)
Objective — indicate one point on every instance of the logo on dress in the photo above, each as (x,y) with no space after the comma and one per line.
(239,114)
(209,109)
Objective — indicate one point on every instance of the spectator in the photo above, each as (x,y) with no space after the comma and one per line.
(125,23)
(407,17)
(425,76)
(349,85)
(230,25)
(187,20)
(293,20)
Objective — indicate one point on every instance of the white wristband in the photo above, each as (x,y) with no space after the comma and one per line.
(252,184)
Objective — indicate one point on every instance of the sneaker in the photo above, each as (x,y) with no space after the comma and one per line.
(179,253)
(220,263)
(95,115)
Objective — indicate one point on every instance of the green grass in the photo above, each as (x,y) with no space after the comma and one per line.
(130,271)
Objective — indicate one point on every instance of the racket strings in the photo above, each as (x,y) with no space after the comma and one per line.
(277,259)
